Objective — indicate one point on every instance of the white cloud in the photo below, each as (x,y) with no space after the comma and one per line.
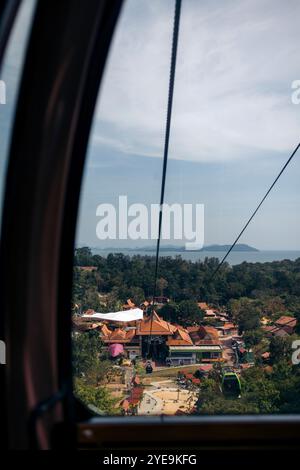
(236,63)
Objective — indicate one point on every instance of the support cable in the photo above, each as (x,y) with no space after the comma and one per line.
(255,212)
(166,151)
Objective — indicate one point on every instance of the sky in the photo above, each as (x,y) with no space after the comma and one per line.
(233,125)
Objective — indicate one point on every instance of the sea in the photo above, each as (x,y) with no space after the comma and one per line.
(235,257)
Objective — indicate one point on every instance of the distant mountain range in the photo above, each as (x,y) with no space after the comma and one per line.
(241,247)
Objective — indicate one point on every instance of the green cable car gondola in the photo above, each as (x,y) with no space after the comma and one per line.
(231,385)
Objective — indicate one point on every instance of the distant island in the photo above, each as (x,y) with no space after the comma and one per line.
(240,247)
(237,247)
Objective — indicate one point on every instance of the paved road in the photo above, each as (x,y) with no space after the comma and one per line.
(128,376)
(228,352)
(150,405)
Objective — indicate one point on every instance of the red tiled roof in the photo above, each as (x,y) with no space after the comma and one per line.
(213,332)
(105,330)
(210,313)
(196,381)
(180,338)
(268,328)
(203,305)
(280,332)
(192,329)
(158,327)
(228,326)
(275,330)
(184,335)
(286,321)
(189,376)
(204,335)
(117,336)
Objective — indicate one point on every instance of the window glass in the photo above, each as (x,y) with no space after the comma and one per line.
(10,75)
(204,342)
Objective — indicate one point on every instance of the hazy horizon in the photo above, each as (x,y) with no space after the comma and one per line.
(132,247)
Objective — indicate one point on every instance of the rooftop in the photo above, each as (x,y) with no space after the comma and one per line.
(203,305)
(155,326)
(286,321)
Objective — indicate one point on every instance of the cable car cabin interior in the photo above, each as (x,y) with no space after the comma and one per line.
(54,57)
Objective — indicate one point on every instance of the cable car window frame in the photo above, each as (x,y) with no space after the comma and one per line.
(61,210)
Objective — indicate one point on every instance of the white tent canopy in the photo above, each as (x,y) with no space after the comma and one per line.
(127,315)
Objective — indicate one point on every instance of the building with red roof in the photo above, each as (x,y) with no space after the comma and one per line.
(180,345)
(286,323)
(228,329)
(203,305)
